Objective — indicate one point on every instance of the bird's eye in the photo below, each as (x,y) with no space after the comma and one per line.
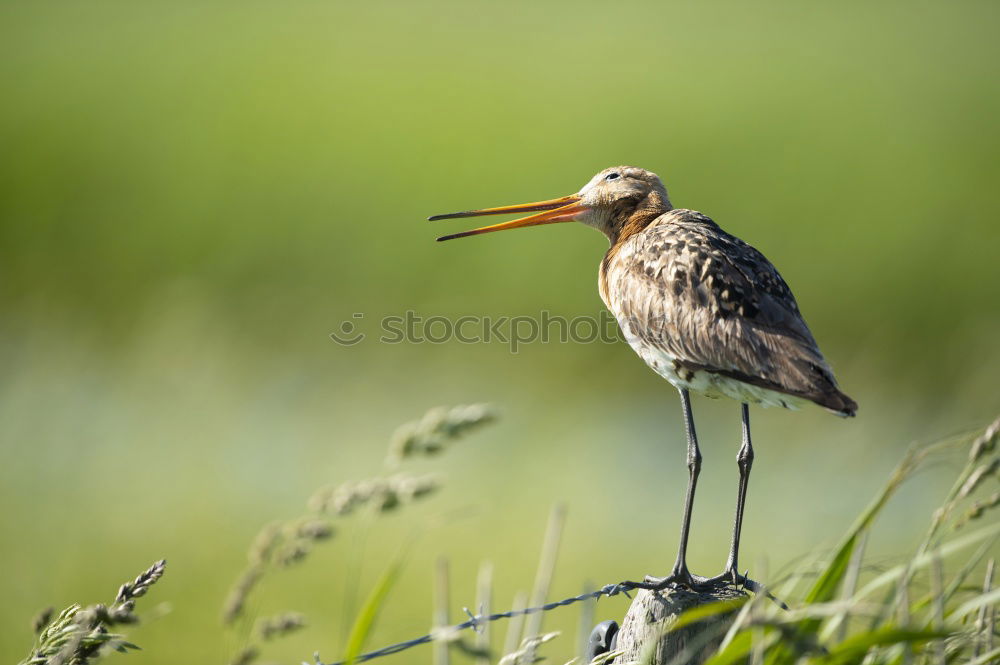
(612,176)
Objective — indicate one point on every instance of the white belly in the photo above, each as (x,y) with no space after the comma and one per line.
(702,382)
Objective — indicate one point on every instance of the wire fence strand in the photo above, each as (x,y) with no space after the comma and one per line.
(477,620)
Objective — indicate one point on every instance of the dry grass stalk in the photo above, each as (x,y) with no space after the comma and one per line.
(484,601)
(606,658)
(585,623)
(526,653)
(982,445)
(546,569)
(441,614)
(938,600)
(986,617)
(513,636)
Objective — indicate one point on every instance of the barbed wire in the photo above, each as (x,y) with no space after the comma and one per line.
(476,620)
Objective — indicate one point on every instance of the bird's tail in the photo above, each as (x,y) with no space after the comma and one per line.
(837,403)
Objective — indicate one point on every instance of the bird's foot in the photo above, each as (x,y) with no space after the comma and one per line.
(686,580)
(732,577)
(683,579)
(679,577)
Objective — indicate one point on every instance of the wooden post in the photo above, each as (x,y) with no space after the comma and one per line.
(652,613)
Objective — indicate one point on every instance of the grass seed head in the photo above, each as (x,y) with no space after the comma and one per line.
(245,656)
(314,529)
(977,509)
(141,584)
(986,442)
(79,634)
(42,619)
(438,427)
(280,625)
(264,544)
(233,607)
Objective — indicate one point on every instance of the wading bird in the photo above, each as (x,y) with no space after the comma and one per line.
(705,310)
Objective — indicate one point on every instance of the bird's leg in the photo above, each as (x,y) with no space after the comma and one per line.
(680,573)
(694,468)
(744,459)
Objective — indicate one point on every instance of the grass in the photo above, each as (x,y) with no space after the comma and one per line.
(911,613)
(936,605)
(284,544)
(80,634)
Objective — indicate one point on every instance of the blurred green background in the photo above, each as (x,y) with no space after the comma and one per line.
(194,195)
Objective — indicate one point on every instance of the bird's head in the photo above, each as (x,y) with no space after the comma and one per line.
(611,198)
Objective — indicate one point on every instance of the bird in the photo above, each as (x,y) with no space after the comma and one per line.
(705,310)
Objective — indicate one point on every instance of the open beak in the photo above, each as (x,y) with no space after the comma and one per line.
(563,209)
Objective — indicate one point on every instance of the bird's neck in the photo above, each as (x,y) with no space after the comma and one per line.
(632,219)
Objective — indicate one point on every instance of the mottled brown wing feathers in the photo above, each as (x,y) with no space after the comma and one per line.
(715,303)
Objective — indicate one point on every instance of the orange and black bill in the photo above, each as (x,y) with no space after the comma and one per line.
(562,209)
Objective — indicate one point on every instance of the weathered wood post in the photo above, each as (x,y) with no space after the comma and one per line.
(651,614)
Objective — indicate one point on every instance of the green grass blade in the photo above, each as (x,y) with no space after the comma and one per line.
(825,588)
(828,582)
(370,610)
(854,648)
(970,606)
(988,657)
(739,648)
(946,550)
